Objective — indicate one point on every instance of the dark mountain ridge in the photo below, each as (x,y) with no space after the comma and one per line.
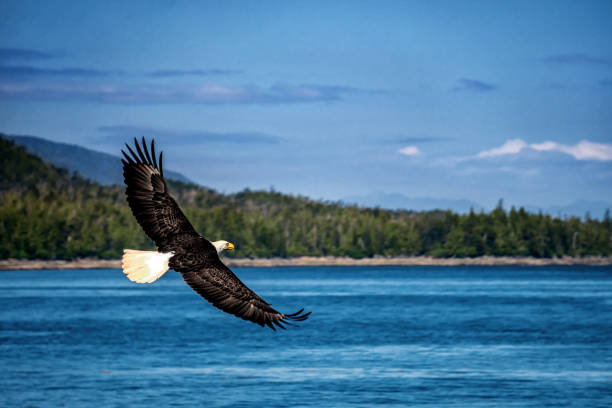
(100,167)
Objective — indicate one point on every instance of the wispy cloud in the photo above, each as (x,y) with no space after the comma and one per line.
(23,71)
(320,92)
(23,54)
(127,132)
(412,140)
(409,151)
(165,73)
(583,150)
(15,55)
(210,93)
(512,146)
(473,85)
(523,172)
(576,59)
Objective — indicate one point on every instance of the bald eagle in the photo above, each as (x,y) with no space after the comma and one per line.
(181,248)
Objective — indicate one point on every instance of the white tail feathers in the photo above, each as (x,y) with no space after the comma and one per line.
(145,266)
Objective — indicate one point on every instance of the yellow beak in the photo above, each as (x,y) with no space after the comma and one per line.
(230,246)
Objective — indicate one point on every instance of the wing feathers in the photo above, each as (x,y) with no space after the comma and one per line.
(142,157)
(144,145)
(161,169)
(194,257)
(232,296)
(153,153)
(147,194)
(135,160)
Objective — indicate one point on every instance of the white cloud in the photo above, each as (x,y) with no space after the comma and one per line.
(470,171)
(584,150)
(544,146)
(409,151)
(211,93)
(512,146)
(520,171)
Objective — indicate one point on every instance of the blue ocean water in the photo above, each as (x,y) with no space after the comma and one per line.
(378,336)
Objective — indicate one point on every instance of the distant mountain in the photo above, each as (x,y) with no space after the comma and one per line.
(106,169)
(394,201)
(97,166)
(579,208)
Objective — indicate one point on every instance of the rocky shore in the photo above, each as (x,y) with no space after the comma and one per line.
(92,263)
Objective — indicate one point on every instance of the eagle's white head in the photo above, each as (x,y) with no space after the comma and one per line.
(221,245)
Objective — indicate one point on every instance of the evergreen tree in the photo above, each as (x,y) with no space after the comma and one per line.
(46,213)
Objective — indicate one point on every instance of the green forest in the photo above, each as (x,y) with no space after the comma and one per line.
(47,213)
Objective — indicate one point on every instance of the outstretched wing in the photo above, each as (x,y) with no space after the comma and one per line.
(196,259)
(155,210)
(216,283)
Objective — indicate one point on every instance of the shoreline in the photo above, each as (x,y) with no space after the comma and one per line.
(93,263)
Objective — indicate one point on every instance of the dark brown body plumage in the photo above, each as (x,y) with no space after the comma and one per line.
(194,256)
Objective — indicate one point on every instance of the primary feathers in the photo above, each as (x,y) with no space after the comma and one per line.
(181,248)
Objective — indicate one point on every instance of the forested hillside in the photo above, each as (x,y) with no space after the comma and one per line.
(46,213)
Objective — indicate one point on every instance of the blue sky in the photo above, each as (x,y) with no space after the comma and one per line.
(444,99)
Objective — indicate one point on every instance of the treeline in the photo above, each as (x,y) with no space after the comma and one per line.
(46,213)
